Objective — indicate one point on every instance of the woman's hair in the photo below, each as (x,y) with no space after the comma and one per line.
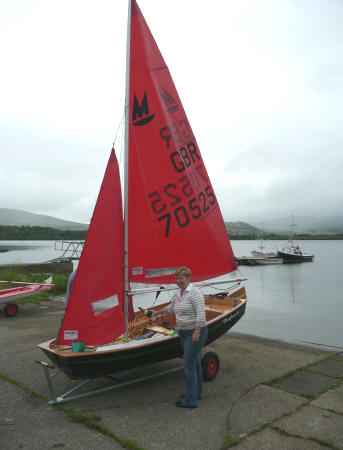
(183,271)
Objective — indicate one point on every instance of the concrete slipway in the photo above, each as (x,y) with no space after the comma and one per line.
(267,395)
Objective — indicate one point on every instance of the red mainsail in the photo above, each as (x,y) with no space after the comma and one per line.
(95,311)
(173,215)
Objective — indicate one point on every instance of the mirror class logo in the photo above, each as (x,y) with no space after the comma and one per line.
(141,113)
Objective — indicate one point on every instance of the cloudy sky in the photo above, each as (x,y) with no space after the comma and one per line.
(261,82)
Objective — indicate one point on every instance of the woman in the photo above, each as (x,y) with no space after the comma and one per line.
(188,304)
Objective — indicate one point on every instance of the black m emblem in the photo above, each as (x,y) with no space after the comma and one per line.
(141,114)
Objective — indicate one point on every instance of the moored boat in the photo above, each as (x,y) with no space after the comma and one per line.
(258,260)
(264,257)
(291,253)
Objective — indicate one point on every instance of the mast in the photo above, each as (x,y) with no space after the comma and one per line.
(126,169)
(291,231)
(261,246)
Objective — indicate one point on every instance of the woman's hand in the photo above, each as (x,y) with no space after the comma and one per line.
(195,336)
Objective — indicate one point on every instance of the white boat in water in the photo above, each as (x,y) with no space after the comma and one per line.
(258,260)
(261,257)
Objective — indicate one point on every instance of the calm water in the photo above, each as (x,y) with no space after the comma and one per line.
(292,302)
(295,302)
(28,252)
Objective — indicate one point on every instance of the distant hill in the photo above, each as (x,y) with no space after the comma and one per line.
(241,229)
(310,225)
(16,217)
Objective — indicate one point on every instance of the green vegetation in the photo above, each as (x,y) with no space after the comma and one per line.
(22,386)
(39,233)
(89,422)
(244,231)
(236,231)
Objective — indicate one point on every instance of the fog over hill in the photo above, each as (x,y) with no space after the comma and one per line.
(16,217)
(315,225)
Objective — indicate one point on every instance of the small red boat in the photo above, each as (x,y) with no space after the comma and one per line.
(9,296)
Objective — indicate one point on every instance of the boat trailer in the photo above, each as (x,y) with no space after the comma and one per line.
(210,367)
(66,397)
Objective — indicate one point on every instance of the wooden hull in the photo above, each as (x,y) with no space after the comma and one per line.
(222,313)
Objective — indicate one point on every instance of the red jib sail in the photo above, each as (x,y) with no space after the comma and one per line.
(94,312)
(174,217)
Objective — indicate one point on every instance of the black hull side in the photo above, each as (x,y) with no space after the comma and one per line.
(98,364)
(291,258)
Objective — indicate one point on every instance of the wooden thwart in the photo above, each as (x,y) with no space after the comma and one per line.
(159,329)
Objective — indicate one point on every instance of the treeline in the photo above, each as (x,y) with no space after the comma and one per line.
(274,237)
(39,233)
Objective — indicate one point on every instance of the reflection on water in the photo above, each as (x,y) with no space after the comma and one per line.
(294,302)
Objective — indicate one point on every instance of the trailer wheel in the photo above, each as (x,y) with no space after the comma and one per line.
(11,309)
(210,366)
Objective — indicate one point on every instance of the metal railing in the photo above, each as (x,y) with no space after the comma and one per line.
(71,249)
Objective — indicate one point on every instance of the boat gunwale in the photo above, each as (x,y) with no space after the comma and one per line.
(116,348)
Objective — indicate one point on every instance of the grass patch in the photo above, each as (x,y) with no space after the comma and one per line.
(275,380)
(314,439)
(91,423)
(36,298)
(15,275)
(22,386)
(229,441)
(336,358)
(326,374)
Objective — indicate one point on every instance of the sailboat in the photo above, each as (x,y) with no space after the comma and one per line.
(21,290)
(171,219)
(261,257)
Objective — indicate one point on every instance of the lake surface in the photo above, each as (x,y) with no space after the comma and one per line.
(292,302)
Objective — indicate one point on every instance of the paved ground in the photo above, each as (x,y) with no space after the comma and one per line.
(267,395)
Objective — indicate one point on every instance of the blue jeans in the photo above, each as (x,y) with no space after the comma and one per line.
(192,365)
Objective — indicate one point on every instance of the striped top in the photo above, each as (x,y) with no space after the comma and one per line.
(189,309)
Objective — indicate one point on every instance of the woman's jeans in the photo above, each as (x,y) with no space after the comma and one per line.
(192,365)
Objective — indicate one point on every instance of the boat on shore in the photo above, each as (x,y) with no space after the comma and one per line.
(171,219)
(9,296)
